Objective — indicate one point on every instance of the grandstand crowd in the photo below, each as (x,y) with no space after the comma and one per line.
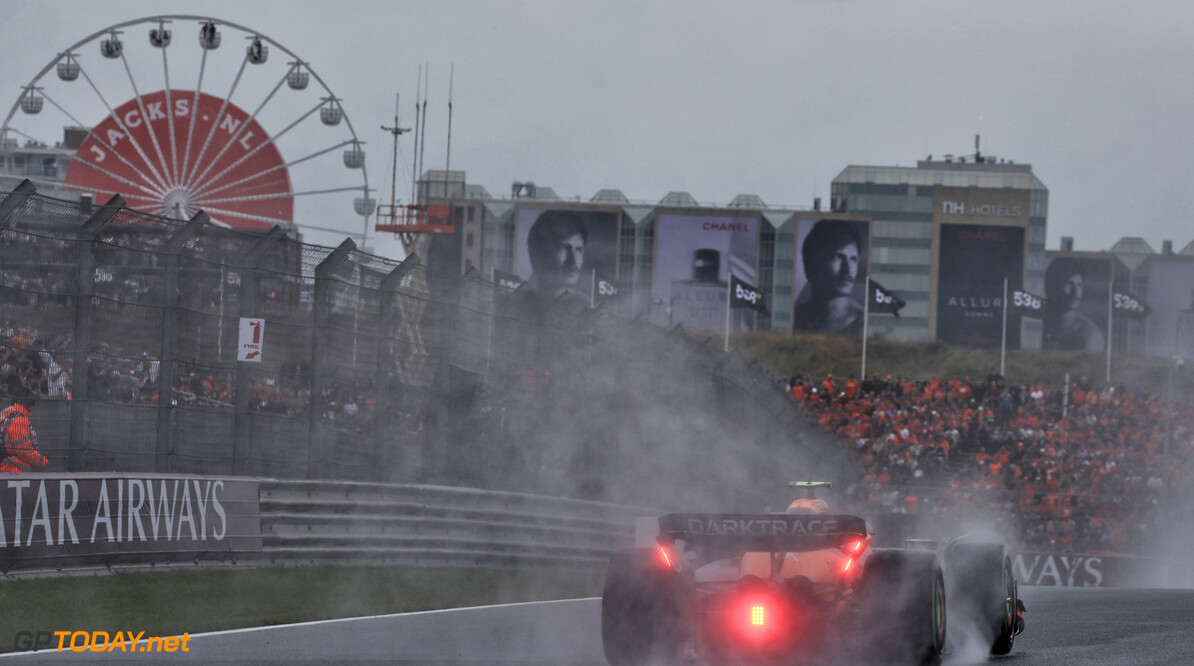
(1070,468)
(134,381)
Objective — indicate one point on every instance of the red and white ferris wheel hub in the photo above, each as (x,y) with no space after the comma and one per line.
(176,153)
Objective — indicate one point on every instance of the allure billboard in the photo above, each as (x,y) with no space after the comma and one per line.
(973,261)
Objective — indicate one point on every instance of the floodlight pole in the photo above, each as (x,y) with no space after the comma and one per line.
(1168,437)
(1003,338)
(1110,322)
(866,321)
(729,299)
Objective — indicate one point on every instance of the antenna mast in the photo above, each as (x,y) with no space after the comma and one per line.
(414,167)
(423,128)
(395,130)
(451,75)
(418,217)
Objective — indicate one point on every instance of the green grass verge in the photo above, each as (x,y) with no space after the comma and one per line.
(174,602)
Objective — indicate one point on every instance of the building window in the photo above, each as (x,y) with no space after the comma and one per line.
(901,255)
(901,229)
(1036,234)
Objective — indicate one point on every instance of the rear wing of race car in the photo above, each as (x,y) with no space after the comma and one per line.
(769,532)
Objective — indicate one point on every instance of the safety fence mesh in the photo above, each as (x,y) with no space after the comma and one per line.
(370,369)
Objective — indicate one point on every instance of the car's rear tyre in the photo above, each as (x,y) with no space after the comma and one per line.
(902,597)
(642,611)
(982,586)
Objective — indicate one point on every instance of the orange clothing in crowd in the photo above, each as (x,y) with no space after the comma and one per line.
(20,442)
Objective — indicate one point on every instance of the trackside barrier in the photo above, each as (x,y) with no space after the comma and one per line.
(88,520)
(310,522)
(91,522)
(335,522)
(1101,570)
(1049,568)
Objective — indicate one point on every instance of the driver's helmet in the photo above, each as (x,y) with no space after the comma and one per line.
(808,505)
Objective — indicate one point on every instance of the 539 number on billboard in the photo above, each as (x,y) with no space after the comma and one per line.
(1126,302)
(1027,301)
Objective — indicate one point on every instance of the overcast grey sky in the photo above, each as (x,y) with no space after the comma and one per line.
(721,98)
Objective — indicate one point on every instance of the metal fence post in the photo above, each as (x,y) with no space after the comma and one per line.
(14,200)
(83,319)
(387,291)
(170,337)
(321,315)
(242,423)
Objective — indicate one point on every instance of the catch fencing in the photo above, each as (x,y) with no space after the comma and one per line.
(371,369)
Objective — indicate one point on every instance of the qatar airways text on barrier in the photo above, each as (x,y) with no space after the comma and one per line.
(52,519)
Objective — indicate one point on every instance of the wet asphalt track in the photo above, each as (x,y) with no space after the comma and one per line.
(1065,626)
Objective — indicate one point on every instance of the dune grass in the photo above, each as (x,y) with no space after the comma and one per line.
(817,355)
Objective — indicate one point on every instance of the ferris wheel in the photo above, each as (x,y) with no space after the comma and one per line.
(201,114)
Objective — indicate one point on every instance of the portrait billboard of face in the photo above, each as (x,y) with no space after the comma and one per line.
(1076,292)
(973,261)
(694,255)
(1171,297)
(830,280)
(557,251)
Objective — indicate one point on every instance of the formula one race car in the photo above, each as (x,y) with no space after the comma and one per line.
(802,584)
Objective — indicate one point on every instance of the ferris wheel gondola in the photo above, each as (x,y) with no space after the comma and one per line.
(239,143)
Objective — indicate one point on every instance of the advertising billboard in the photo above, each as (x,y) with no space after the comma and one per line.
(245,185)
(1171,297)
(558,250)
(973,261)
(694,258)
(830,279)
(48,520)
(1076,292)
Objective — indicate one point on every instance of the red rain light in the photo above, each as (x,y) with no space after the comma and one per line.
(667,559)
(758,616)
